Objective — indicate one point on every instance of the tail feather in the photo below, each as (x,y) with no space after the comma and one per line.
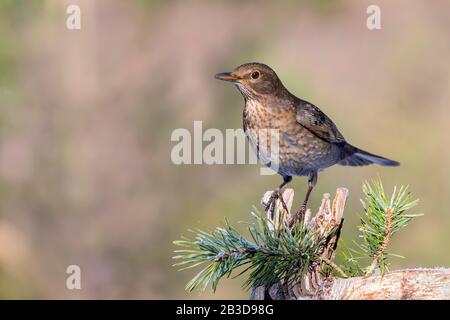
(358,157)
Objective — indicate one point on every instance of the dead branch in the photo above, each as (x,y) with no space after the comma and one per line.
(411,284)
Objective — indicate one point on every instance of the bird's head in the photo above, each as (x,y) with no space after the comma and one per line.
(253,80)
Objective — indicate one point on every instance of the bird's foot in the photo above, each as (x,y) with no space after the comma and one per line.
(270,205)
(299,216)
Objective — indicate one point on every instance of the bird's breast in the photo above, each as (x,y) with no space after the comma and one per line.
(260,115)
(298,150)
(263,123)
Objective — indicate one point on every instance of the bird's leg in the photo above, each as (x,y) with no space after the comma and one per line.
(312,180)
(276,194)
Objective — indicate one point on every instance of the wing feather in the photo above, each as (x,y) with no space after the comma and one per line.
(317,122)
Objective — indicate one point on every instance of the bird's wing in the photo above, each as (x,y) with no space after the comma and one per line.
(317,122)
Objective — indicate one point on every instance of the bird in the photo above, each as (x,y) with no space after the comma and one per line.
(308,140)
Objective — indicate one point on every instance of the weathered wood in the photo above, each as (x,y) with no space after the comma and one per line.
(412,284)
(327,222)
(329,218)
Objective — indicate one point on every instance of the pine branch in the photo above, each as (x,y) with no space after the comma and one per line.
(382,218)
(379,255)
(275,255)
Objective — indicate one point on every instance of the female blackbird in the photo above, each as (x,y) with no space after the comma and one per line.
(308,141)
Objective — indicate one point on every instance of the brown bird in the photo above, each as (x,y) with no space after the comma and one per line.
(308,141)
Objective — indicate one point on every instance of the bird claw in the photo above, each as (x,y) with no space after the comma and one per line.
(299,216)
(301,212)
(271,202)
(270,205)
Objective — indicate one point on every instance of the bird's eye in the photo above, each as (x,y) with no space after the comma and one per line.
(255,75)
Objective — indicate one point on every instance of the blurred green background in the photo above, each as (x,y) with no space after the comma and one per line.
(86,118)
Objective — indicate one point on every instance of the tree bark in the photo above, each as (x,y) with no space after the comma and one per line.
(410,284)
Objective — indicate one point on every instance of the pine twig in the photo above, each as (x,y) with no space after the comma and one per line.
(334,266)
(382,218)
(383,247)
(278,255)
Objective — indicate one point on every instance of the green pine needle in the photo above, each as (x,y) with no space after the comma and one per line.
(382,218)
(271,256)
(277,254)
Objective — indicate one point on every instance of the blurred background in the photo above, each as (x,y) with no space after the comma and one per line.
(86,118)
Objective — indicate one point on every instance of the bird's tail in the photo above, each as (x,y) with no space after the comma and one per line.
(356,157)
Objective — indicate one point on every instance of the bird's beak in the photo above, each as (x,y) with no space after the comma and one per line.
(226,76)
